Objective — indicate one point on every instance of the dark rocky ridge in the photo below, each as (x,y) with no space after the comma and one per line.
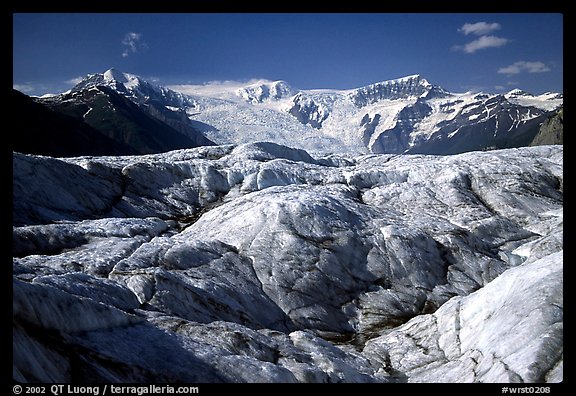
(39,130)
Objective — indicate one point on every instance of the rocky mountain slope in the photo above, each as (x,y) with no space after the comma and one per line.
(118,118)
(261,263)
(551,131)
(39,130)
(169,107)
(99,116)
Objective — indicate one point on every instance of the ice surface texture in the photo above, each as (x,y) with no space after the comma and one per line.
(261,263)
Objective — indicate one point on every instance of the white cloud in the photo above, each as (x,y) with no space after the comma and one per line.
(34,89)
(133,43)
(216,88)
(75,80)
(479,28)
(483,42)
(25,88)
(236,83)
(472,88)
(523,66)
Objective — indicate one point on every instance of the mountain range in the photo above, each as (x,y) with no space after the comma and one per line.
(405,115)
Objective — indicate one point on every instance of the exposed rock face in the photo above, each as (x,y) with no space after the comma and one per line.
(402,88)
(260,263)
(307,111)
(551,131)
(396,139)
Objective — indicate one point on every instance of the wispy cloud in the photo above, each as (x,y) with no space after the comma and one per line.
(484,40)
(524,67)
(479,28)
(481,43)
(133,43)
(215,88)
(472,88)
(25,88)
(39,88)
(34,88)
(74,81)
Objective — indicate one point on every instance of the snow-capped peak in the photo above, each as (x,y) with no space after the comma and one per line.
(551,96)
(138,90)
(517,92)
(412,78)
(265,90)
(548,101)
(112,78)
(115,75)
(400,88)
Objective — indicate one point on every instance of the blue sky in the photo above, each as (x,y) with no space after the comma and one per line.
(460,52)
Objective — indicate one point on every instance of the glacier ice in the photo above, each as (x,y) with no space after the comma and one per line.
(263,263)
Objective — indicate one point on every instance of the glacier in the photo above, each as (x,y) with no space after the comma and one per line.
(264,263)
